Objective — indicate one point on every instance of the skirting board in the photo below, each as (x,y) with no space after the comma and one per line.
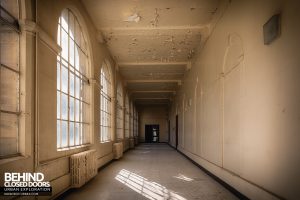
(241,188)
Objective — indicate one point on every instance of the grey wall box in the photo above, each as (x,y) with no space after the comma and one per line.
(272,29)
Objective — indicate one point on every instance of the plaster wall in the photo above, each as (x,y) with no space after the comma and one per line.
(238,106)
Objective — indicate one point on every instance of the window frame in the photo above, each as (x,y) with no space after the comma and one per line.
(127,118)
(11,26)
(135,120)
(105,103)
(131,120)
(80,94)
(120,113)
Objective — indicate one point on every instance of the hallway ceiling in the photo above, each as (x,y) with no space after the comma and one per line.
(152,41)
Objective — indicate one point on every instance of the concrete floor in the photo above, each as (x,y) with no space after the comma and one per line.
(151,171)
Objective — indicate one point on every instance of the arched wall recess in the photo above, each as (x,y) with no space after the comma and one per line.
(199,117)
(195,131)
(234,53)
(231,103)
(183,115)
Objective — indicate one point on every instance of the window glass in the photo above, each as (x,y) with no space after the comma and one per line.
(105,102)
(9,78)
(72,91)
(120,112)
(126,116)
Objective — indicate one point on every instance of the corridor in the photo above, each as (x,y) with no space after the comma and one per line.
(151,171)
(96,95)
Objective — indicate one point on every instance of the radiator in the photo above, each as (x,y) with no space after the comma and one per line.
(131,143)
(83,167)
(118,150)
(136,141)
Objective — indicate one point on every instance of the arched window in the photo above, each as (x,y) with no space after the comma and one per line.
(127,117)
(72,83)
(105,102)
(9,79)
(120,113)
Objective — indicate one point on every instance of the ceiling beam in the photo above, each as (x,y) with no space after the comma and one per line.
(154,81)
(132,64)
(152,98)
(153,91)
(155,98)
(152,104)
(147,28)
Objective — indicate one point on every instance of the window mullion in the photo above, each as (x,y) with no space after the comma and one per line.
(80,116)
(60,77)
(68,134)
(9,68)
(18,93)
(14,25)
(75,110)
(74,89)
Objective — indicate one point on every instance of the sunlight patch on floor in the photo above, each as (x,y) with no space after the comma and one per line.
(143,186)
(183,177)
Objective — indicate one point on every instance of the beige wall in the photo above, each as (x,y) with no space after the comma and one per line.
(38,53)
(153,115)
(239,104)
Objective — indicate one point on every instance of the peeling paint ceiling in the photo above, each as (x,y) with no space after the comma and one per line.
(152,40)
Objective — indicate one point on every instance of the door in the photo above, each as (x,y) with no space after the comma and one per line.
(176,131)
(152,133)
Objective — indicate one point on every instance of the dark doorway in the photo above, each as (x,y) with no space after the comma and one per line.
(176,131)
(152,133)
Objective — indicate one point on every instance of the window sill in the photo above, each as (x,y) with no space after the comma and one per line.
(104,142)
(74,147)
(12,159)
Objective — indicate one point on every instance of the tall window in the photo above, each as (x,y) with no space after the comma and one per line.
(137,125)
(126,116)
(131,119)
(9,78)
(105,102)
(135,120)
(120,113)
(72,83)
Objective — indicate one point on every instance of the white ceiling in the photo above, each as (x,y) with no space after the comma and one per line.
(153,53)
